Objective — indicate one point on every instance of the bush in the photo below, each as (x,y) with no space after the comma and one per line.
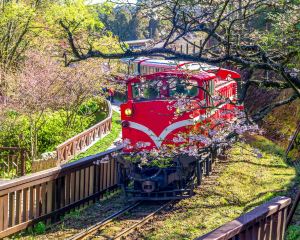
(39,228)
(293,233)
(91,106)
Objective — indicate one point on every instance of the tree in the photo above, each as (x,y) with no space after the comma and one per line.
(17,24)
(44,87)
(230,34)
(40,25)
(35,93)
(75,22)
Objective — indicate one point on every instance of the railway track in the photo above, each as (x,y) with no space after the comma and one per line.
(122,223)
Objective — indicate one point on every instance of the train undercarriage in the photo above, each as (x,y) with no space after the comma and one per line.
(165,183)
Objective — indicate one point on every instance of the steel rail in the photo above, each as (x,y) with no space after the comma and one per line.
(94,228)
(127,231)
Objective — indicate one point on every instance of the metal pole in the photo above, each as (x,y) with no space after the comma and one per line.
(199,172)
(207,167)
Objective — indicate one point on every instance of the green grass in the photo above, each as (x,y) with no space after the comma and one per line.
(105,142)
(247,181)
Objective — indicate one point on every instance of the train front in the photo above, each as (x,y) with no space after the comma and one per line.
(161,108)
(154,113)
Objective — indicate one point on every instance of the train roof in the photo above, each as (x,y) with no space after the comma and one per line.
(202,76)
(185,65)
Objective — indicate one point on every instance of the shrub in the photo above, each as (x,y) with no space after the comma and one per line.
(39,228)
(293,233)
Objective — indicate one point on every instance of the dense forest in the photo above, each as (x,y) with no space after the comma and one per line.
(131,22)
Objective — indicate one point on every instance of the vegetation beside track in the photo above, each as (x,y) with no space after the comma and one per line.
(243,182)
(105,142)
(281,125)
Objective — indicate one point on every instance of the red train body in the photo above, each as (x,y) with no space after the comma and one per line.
(148,117)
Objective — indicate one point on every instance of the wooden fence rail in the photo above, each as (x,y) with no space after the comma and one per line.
(79,143)
(267,221)
(46,195)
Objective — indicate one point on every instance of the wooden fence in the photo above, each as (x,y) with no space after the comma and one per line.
(46,195)
(267,221)
(12,162)
(81,142)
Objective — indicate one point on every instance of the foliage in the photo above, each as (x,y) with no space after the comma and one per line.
(17,21)
(73,214)
(293,233)
(38,25)
(129,22)
(53,131)
(39,228)
(75,18)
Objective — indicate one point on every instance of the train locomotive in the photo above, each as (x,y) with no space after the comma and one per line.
(151,119)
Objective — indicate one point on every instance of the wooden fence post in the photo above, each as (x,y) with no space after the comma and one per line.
(23,162)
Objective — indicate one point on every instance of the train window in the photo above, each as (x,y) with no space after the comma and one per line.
(146,90)
(188,88)
(165,88)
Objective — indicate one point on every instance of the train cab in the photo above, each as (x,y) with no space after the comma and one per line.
(163,105)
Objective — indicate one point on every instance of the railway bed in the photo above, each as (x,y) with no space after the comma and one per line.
(121,223)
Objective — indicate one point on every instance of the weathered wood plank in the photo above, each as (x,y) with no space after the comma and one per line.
(50,203)
(31,203)
(12,209)
(72,187)
(37,211)
(67,189)
(25,204)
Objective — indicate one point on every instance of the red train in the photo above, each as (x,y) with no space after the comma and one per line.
(150,116)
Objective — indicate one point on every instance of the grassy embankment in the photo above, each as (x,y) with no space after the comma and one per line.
(243,183)
(280,124)
(105,142)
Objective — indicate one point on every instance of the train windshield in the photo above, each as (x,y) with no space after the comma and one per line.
(164,89)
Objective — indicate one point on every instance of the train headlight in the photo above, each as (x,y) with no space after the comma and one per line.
(128,112)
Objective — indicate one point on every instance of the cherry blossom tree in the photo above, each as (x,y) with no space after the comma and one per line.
(45,86)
